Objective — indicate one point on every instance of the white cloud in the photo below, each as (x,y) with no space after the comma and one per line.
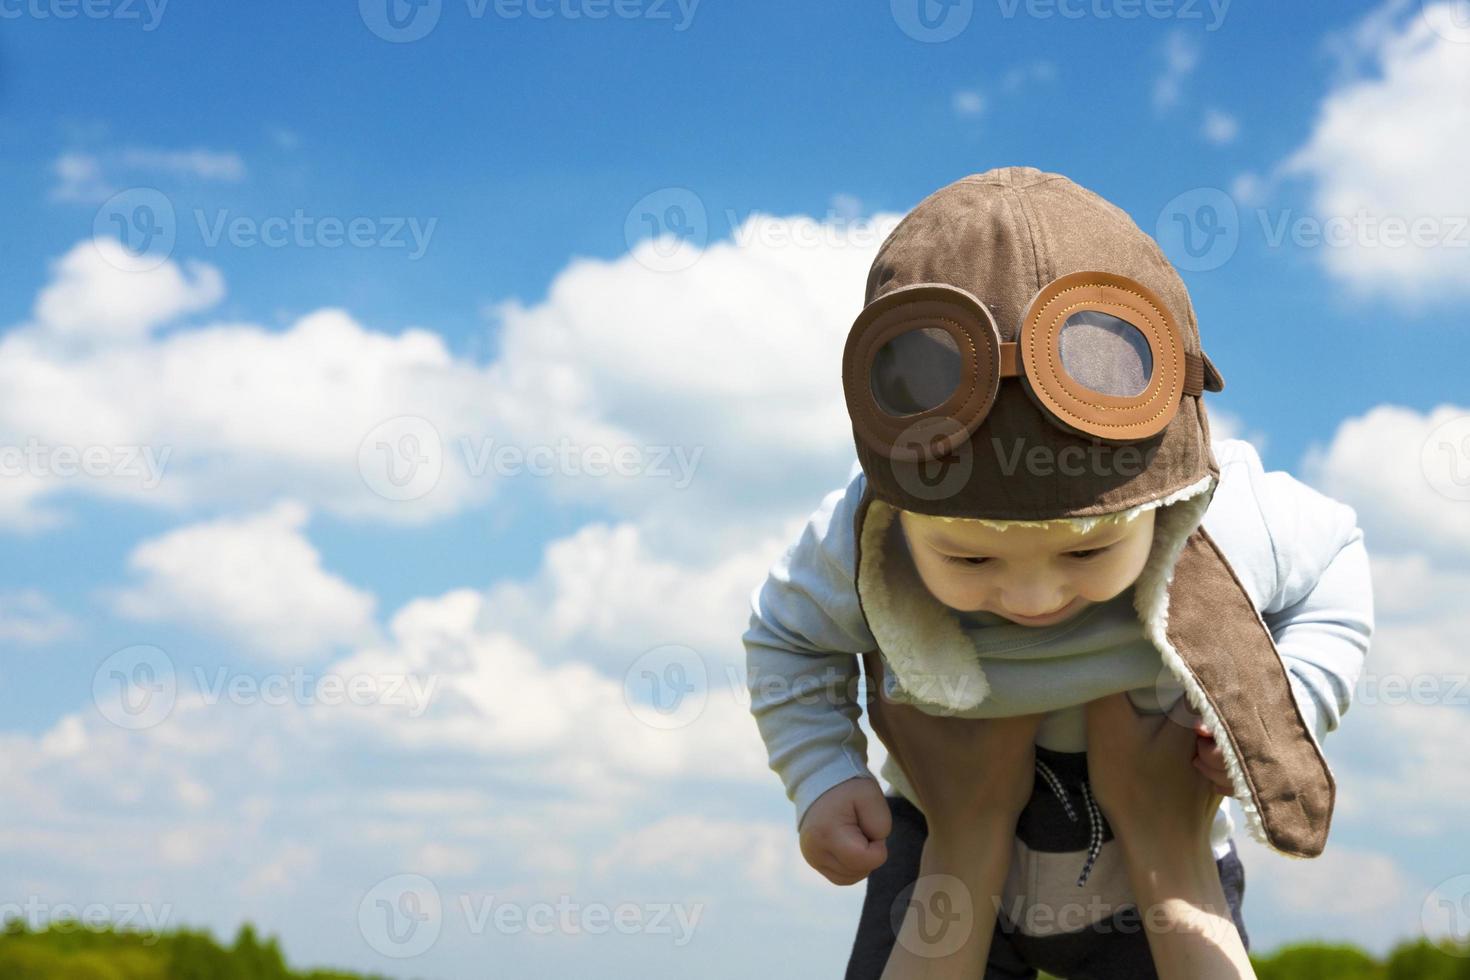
(617,361)
(1409,714)
(27,616)
(973,102)
(256,580)
(605,581)
(1345,892)
(199,163)
(1037,71)
(84,177)
(496,696)
(968,103)
(691,846)
(512,745)
(1219,127)
(1181,58)
(1250,189)
(79,179)
(1384,158)
(98,294)
(228,414)
(1228,425)
(1390,465)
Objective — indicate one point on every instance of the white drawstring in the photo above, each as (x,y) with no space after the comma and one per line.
(1094,816)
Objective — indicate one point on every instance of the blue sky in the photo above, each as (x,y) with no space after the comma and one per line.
(526,151)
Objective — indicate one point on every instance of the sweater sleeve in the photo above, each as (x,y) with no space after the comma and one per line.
(806,631)
(1321,610)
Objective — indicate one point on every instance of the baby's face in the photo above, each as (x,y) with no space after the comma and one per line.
(1035,576)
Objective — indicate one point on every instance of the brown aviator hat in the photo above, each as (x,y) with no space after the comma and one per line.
(1027,353)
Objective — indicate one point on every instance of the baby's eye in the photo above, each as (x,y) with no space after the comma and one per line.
(970,561)
(1086,553)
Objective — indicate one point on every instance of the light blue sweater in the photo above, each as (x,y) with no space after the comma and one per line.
(1299,554)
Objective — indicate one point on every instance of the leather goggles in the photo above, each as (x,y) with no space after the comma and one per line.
(1099,354)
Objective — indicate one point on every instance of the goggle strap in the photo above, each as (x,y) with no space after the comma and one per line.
(1194,374)
(1010,359)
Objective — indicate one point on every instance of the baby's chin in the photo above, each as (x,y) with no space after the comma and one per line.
(1067,612)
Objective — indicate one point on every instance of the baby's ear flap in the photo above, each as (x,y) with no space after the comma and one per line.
(1214,381)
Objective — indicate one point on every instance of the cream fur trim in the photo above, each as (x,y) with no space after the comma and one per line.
(934,664)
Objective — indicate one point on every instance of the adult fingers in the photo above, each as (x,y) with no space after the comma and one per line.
(1113,721)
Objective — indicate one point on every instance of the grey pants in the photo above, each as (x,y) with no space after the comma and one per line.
(1119,951)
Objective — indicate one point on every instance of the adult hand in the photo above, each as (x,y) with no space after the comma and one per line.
(1142,773)
(1161,808)
(964,770)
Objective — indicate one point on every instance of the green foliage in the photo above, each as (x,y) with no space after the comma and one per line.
(1318,961)
(72,951)
(1419,960)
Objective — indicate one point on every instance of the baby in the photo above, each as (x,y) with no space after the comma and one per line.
(1038,518)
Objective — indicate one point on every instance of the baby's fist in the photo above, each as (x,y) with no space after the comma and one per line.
(1209,760)
(844,831)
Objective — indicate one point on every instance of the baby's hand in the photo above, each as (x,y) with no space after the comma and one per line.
(1210,761)
(843,833)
